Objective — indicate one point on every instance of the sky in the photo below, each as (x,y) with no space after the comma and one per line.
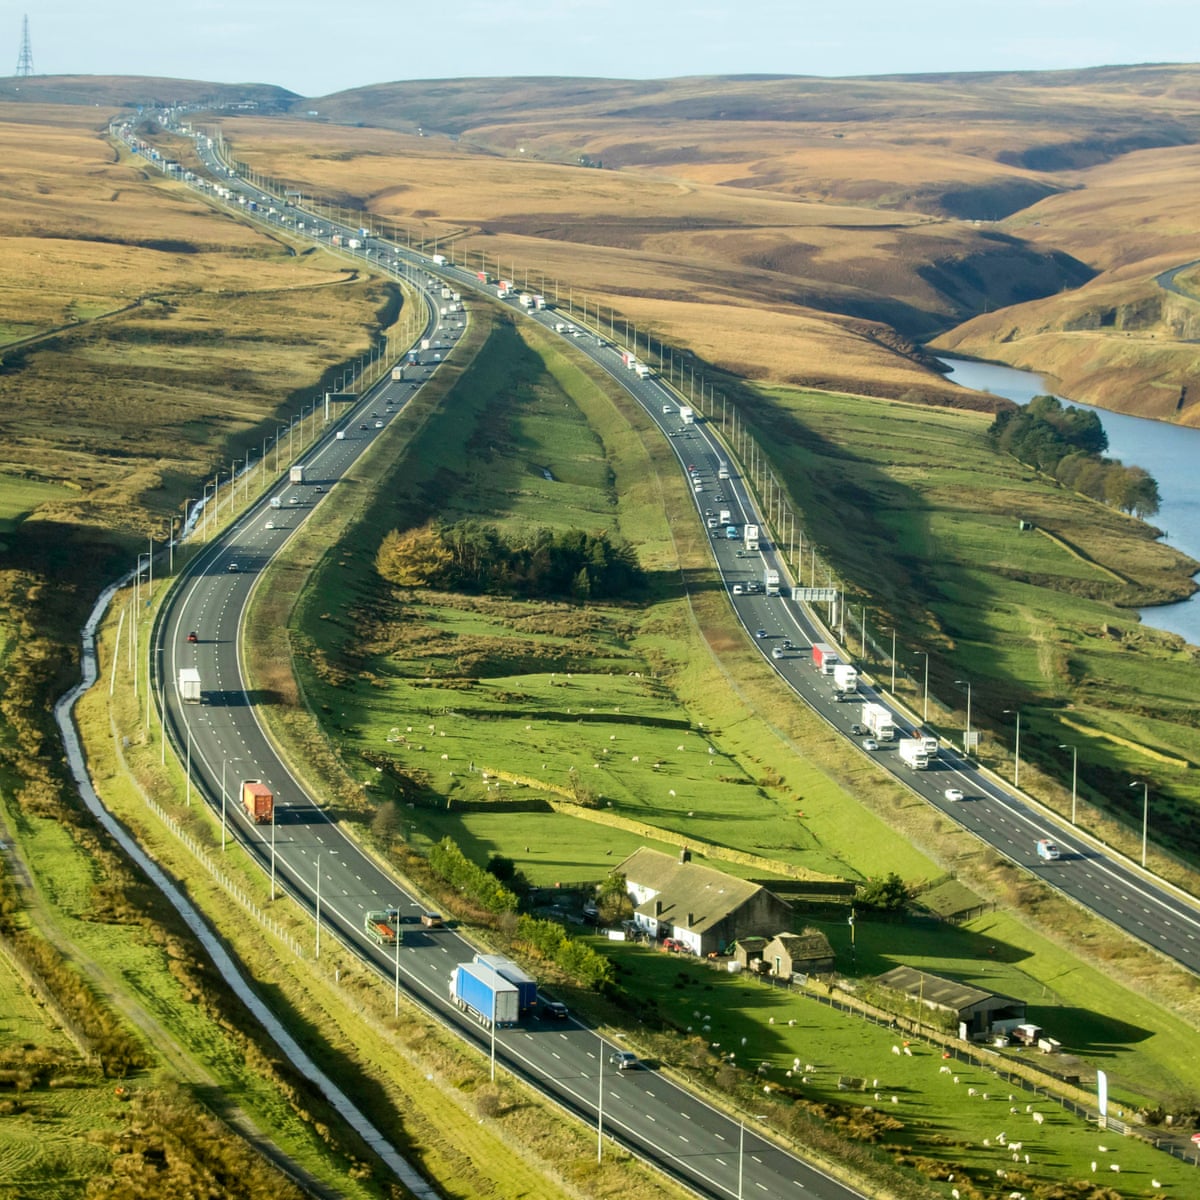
(315,49)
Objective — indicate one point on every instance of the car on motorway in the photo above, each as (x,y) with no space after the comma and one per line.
(378,424)
(777,652)
(719,499)
(1048,850)
(193,636)
(954,794)
(232,568)
(556,1010)
(858,730)
(738,590)
(760,633)
(269,525)
(787,644)
(432,920)
(712,522)
(870,744)
(294,500)
(623,1060)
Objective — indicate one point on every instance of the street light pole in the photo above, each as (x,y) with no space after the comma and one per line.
(399,935)
(1074,776)
(318,953)
(273,852)
(1016,748)
(893,660)
(967,736)
(1145,813)
(600,1109)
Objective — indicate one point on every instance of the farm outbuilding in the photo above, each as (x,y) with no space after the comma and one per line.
(976,1011)
(788,953)
(702,909)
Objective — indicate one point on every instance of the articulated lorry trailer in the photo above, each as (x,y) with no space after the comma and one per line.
(845,681)
(824,657)
(526,985)
(258,801)
(483,992)
(189,685)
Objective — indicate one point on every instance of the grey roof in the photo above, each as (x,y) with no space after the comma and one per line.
(933,989)
(800,946)
(682,888)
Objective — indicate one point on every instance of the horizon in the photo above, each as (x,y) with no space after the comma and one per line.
(298,48)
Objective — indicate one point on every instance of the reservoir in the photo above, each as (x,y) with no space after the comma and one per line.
(1171,453)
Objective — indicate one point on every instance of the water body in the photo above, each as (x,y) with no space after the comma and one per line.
(1170,453)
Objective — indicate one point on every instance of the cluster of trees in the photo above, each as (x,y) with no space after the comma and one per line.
(473,556)
(479,886)
(550,941)
(1069,443)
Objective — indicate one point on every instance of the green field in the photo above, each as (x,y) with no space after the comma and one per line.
(19,497)
(934,1118)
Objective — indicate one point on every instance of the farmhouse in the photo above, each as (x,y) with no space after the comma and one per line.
(701,909)
(977,1012)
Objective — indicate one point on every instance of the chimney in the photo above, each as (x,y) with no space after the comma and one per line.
(685,855)
(691,920)
(658,908)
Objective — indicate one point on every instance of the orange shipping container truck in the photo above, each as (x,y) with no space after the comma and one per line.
(258,801)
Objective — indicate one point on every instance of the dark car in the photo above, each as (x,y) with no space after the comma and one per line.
(857,730)
(193,636)
(554,1009)
(364,425)
(760,633)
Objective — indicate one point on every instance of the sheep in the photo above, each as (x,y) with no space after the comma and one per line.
(1015,1146)
(1027,1160)
(636,758)
(955,1078)
(1093,1166)
(908,1051)
(1155,1184)
(1001,1173)
(1102,1149)
(1012,1110)
(987,1143)
(878,1096)
(895,1099)
(809,1068)
(944,1070)
(895,1049)
(1038,1118)
(954,1194)
(1115,1167)
(970,1091)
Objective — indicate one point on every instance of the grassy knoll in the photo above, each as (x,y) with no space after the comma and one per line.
(566,700)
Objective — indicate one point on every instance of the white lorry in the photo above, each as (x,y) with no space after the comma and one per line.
(845,680)
(750,537)
(724,517)
(296,474)
(189,685)
(771,581)
(723,470)
(686,415)
(879,722)
(912,751)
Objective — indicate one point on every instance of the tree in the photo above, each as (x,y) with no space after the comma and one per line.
(612,899)
(415,558)
(888,894)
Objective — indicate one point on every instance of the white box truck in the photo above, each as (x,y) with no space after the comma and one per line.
(686,415)
(879,722)
(771,581)
(750,537)
(296,474)
(189,685)
(723,470)
(845,680)
(912,751)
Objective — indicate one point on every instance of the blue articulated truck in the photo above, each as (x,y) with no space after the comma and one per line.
(525,984)
(484,993)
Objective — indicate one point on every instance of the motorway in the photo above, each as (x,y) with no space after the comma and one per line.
(643,1108)
(225,743)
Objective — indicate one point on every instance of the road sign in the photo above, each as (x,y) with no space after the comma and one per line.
(825,595)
